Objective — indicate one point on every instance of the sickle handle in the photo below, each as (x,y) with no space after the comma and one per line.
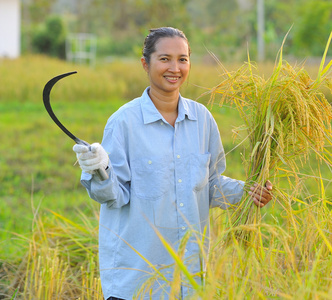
(102,173)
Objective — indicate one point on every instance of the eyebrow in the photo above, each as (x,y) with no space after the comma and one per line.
(182,55)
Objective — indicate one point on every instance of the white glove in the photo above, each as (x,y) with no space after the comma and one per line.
(91,159)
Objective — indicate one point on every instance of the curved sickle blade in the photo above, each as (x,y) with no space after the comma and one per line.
(46,99)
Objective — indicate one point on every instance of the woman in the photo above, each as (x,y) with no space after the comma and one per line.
(164,165)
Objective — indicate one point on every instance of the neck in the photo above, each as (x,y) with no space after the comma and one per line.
(167,105)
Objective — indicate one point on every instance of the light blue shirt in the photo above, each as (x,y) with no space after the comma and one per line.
(161,178)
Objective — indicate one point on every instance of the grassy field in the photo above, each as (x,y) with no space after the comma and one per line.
(48,225)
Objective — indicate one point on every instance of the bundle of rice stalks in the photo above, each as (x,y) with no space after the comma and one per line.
(286,116)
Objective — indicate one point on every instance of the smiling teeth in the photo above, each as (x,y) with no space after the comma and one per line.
(172,78)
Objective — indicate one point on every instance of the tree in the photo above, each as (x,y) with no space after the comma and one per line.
(313,28)
(50,38)
(38,9)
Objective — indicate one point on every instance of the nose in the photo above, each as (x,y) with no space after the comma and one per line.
(174,66)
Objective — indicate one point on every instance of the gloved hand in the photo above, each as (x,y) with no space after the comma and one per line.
(91,160)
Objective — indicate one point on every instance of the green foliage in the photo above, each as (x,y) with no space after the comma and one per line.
(313,27)
(50,38)
(37,10)
(122,46)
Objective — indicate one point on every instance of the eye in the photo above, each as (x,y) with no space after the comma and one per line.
(183,59)
(164,59)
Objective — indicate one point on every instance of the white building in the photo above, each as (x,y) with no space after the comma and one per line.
(10,22)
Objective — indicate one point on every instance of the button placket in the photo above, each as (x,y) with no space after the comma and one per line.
(180,182)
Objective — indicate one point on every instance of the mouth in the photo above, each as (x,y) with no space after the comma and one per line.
(172,79)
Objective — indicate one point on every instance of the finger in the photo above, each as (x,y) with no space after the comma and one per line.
(257,190)
(257,198)
(258,203)
(262,191)
(261,195)
(269,185)
(80,148)
(264,197)
(89,168)
(95,147)
(267,195)
(263,200)
(90,162)
(87,156)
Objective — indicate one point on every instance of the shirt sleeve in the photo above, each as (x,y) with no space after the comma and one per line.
(115,191)
(224,191)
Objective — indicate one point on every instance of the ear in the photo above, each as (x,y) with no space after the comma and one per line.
(145,64)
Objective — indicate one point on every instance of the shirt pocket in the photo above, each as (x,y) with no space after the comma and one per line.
(151,178)
(199,164)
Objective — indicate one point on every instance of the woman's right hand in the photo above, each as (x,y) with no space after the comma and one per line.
(91,158)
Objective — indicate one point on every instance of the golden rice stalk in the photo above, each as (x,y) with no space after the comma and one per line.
(286,117)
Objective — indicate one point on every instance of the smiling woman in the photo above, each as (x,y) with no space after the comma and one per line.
(168,68)
(164,158)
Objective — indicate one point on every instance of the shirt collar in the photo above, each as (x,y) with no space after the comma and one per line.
(186,110)
(151,113)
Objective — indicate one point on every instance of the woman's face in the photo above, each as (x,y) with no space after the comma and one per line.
(169,65)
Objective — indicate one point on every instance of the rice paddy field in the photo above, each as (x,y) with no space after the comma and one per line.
(49,226)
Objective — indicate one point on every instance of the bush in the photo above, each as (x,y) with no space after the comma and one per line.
(50,38)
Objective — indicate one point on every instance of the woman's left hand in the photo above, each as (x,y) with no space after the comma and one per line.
(261,195)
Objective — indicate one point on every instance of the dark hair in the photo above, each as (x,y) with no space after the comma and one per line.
(157,33)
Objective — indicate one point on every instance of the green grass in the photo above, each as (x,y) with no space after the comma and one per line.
(38,162)
(46,213)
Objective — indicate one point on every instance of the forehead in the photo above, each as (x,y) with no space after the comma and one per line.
(172,46)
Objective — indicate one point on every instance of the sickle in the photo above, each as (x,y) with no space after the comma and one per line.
(46,99)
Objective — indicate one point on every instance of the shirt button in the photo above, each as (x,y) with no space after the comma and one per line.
(149,162)
(178,156)
(181,204)
(161,123)
(183,228)
(180,180)
(186,250)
